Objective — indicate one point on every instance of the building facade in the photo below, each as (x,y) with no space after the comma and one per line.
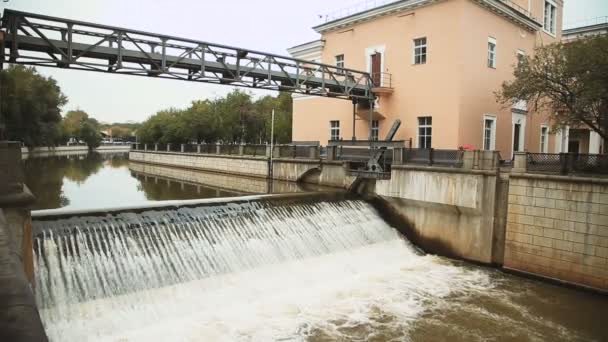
(436,65)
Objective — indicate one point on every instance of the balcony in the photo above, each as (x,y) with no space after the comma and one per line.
(382,83)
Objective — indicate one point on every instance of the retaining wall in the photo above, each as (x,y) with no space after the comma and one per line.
(557,227)
(245,166)
(241,184)
(449,211)
(60,150)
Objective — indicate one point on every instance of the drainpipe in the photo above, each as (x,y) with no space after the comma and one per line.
(354,110)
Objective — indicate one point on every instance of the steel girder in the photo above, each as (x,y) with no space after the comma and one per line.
(33,39)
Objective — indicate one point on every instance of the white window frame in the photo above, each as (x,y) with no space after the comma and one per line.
(517,118)
(425,126)
(492,53)
(492,147)
(334,131)
(417,50)
(375,130)
(340,61)
(544,139)
(552,20)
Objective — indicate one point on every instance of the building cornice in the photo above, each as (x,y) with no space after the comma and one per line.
(585,29)
(314,47)
(497,6)
(503,9)
(380,11)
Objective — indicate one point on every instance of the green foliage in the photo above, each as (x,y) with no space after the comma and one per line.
(73,121)
(232,119)
(77,124)
(30,107)
(568,80)
(90,135)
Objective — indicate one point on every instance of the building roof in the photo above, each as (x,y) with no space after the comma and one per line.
(504,8)
(313,47)
(589,27)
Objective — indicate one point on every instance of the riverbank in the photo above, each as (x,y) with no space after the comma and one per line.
(65,150)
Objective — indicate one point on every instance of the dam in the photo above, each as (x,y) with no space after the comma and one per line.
(255,260)
(321,268)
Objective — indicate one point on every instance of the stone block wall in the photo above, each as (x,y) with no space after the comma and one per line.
(247,166)
(557,227)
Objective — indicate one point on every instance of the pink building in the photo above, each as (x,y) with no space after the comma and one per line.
(437,65)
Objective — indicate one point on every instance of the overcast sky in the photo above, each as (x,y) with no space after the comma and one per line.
(263,25)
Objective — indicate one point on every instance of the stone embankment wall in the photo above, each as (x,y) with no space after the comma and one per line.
(19,318)
(557,227)
(307,170)
(66,150)
(245,166)
(222,181)
(448,211)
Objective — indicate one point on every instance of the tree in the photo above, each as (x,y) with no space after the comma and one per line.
(73,121)
(569,80)
(90,135)
(235,118)
(30,107)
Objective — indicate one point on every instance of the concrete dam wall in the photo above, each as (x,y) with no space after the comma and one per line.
(475,212)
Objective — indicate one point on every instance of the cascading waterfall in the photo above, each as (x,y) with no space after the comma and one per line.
(239,271)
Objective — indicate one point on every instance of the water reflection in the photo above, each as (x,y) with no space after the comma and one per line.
(96,181)
(45,176)
(163,189)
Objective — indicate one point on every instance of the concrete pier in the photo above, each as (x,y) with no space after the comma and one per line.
(19,318)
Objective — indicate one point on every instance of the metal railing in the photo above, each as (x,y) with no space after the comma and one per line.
(382,80)
(430,156)
(255,150)
(355,8)
(567,163)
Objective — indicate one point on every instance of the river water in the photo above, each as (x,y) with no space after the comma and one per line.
(323,271)
(94,181)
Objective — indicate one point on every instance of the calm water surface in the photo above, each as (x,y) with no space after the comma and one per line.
(93,181)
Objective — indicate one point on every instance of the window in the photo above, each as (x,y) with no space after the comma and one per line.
(420,51)
(334,130)
(375,129)
(520,57)
(340,61)
(550,17)
(489,132)
(544,139)
(425,131)
(491,53)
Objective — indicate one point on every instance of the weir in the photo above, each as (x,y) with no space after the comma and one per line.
(123,267)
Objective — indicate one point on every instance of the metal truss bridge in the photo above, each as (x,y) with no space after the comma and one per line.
(39,40)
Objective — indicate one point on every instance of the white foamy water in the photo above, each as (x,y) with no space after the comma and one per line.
(246,273)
